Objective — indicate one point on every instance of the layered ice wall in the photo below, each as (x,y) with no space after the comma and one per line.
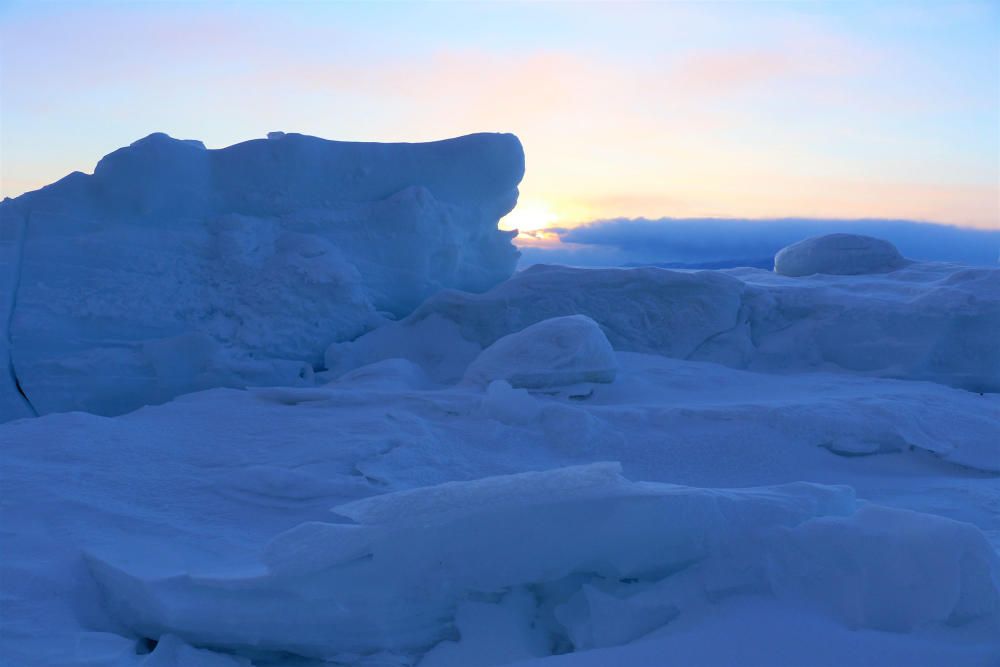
(174,268)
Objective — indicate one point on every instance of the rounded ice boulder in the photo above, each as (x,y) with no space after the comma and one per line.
(554,352)
(839,255)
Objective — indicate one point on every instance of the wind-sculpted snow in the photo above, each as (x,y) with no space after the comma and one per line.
(924,321)
(175,268)
(838,254)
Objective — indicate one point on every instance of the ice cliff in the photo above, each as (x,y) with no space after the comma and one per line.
(175,268)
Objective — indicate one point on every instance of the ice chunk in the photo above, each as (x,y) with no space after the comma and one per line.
(838,254)
(174,268)
(393,582)
(554,352)
(889,569)
(509,405)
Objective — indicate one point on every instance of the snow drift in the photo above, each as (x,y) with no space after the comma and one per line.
(174,268)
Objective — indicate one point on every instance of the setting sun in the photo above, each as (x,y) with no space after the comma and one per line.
(529,216)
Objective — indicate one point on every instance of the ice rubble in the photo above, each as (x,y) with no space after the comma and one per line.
(924,321)
(175,268)
(572,558)
(838,254)
(554,352)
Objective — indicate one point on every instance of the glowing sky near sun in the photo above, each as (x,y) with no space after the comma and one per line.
(835,109)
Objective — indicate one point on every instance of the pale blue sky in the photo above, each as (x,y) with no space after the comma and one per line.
(832,109)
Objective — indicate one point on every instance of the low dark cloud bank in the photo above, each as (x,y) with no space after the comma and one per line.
(719,243)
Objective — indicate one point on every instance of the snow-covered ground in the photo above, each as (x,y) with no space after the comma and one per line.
(575,467)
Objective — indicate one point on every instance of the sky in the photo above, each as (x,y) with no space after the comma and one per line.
(736,109)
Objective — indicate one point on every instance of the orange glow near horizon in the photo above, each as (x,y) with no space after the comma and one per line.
(762,110)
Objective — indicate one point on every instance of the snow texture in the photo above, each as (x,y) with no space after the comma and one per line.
(838,254)
(174,268)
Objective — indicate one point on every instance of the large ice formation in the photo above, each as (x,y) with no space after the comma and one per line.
(838,254)
(175,268)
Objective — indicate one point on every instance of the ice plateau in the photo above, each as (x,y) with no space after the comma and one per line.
(296,411)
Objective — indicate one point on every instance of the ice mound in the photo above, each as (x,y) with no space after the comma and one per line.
(605,561)
(554,352)
(838,254)
(175,268)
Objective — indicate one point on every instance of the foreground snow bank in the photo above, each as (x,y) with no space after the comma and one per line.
(572,559)
(175,268)
(933,322)
(838,254)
